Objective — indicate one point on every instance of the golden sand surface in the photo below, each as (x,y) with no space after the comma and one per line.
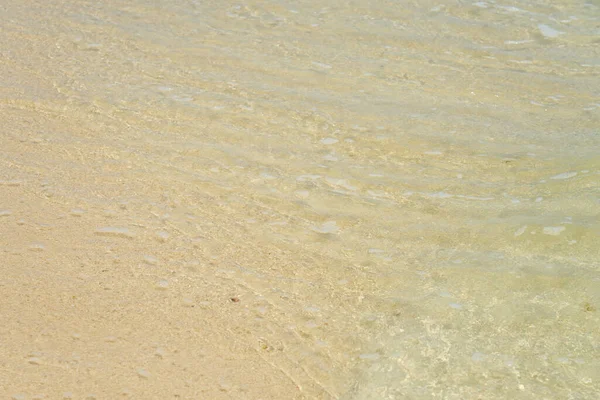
(299,200)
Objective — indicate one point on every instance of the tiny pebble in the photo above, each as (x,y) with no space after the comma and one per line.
(150,260)
(142,373)
(329,141)
(553,230)
(369,356)
(160,352)
(37,247)
(162,236)
(163,284)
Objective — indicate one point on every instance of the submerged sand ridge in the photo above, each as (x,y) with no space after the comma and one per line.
(274,201)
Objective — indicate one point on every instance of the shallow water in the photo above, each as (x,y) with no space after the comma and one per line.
(273,199)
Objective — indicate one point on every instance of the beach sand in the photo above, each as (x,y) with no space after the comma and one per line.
(356,201)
